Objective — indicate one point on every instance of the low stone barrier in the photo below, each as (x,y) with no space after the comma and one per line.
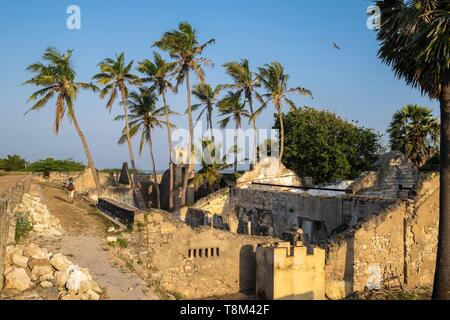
(124,214)
(8,201)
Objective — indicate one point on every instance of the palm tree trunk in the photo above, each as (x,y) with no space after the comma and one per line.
(155,177)
(236,132)
(191,141)
(280,116)
(127,130)
(441,290)
(169,136)
(88,152)
(255,136)
(210,124)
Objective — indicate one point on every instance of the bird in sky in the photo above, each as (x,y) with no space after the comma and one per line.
(335,46)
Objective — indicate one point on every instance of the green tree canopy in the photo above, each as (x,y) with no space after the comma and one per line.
(321,145)
(13,163)
(415,132)
(50,164)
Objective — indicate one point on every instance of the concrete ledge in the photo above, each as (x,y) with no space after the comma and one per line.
(124,214)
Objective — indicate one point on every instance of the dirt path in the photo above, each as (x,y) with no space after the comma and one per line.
(83,242)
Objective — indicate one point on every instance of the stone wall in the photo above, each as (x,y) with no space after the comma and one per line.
(118,211)
(394,248)
(271,212)
(196,263)
(84,180)
(9,199)
(290,273)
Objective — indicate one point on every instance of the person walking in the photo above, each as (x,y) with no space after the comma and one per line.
(71,189)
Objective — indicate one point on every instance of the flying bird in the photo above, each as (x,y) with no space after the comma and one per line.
(335,46)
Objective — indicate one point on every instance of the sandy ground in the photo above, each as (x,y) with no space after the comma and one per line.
(83,242)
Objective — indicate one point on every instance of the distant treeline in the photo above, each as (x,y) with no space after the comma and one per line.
(17,163)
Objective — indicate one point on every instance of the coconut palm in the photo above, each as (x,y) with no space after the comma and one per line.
(245,83)
(158,72)
(183,46)
(414,42)
(415,132)
(208,98)
(213,164)
(56,78)
(144,116)
(232,108)
(275,81)
(115,75)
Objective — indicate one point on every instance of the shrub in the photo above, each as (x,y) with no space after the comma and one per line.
(23,226)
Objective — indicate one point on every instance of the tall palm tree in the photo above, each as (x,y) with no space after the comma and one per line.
(414,42)
(415,132)
(56,76)
(115,75)
(245,83)
(232,108)
(183,46)
(144,116)
(158,72)
(208,98)
(275,81)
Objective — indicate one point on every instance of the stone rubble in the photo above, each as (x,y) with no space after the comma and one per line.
(30,267)
(43,222)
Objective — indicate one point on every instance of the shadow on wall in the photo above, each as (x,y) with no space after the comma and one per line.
(247,269)
(349,265)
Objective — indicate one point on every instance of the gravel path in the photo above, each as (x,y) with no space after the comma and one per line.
(83,242)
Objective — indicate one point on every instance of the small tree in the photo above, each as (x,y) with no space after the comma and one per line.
(321,145)
(415,132)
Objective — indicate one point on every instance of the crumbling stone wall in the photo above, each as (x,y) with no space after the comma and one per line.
(196,263)
(8,202)
(271,212)
(84,180)
(396,247)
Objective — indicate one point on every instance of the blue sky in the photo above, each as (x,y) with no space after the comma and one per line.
(298,33)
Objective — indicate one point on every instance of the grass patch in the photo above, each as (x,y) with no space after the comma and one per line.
(121,242)
(163,293)
(23,226)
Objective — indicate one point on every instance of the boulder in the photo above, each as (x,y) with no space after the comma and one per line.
(34,251)
(46,284)
(85,286)
(61,278)
(60,262)
(111,239)
(19,260)
(18,279)
(93,295)
(32,262)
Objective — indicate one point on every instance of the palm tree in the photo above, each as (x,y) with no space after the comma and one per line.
(144,116)
(275,81)
(208,98)
(183,47)
(415,132)
(56,77)
(158,73)
(115,75)
(245,83)
(414,42)
(231,108)
(213,164)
